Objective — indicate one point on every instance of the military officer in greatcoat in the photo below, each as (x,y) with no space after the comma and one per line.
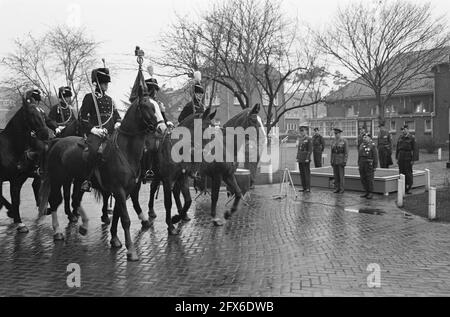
(97,131)
(318,143)
(384,146)
(407,153)
(368,163)
(196,104)
(62,114)
(362,132)
(339,157)
(304,152)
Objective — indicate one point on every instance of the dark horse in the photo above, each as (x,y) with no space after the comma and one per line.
(217,171)
(174,175)
(118,173)
(15,139)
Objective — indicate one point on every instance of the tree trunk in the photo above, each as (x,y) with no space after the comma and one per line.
(381,107)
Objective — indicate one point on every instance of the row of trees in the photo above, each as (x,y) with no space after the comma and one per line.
(251,45)
(62,55)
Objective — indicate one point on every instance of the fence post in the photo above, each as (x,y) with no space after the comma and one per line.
(440,154)
(432,203)
(401,190)
(428,180)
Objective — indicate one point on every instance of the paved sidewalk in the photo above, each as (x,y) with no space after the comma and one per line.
(320,245)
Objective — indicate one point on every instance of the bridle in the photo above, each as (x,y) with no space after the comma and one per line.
(149,126)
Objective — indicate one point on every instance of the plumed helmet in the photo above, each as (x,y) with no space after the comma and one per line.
(34,94)
(152,83)
(101,75)
(65,92)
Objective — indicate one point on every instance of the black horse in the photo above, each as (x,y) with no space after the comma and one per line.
(216,171)
(173,175)
(15,140)
(118,173)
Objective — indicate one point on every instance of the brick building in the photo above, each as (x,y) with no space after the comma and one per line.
(422,103)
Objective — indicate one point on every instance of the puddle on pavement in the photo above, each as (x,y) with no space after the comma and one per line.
(367,211)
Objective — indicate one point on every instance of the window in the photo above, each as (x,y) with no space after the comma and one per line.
(393,126)
(265,99)
(412,125)
(236,101)
(428,126)
(215,100)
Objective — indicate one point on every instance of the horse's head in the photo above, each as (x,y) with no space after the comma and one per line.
(206,119)
(34,117)
(248,118)
(149,114)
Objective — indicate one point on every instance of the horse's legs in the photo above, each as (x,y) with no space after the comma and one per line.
(115,242)
(15,187)
(168,206)
(176,196)
(121,202)
(55,200)
(3,201)
(230,180)
(36,186)
(137,207)
(77,196)
(184,186)
(151,203)
(105,214)
(66,192)
(215,188)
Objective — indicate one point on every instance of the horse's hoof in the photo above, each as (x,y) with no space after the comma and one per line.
(146,225)
(83,231)
(115,243)
(58,237)
(106,220)
(152,214)
(72,219)
(22,229)
(176,219)
(132,257)
(186,218)
(173,231)
(10,214)
(218,222)
(110,211)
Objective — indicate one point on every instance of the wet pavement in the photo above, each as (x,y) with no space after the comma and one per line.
(320,245)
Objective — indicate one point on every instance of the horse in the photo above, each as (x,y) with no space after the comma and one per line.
(15,139)
(117,174)
(215,170)
(174,175)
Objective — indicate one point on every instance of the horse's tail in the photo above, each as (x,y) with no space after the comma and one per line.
(44,194)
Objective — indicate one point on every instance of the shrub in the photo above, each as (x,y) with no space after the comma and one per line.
(429,145)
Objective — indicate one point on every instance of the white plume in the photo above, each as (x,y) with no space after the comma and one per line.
(198,76)
(150,70)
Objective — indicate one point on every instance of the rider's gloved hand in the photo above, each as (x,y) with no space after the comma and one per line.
(117,125)
(170,124)
(59,129)
(98,132)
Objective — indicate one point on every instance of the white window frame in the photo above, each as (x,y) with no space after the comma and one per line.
(425,126)
(409,125)
(390,126)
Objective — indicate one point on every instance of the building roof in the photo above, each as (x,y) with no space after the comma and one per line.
(419,84)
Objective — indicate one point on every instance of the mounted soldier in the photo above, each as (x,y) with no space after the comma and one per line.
(196,105)
(99,118)
(62,114)
(36,148)
(151,149)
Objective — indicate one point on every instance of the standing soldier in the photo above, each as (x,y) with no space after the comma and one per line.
(339,156)
(97,128)
(384,146)
(61,114)
(318,147)
(407,153)
(196,104)
(368,163)
(362,132)
(304,143)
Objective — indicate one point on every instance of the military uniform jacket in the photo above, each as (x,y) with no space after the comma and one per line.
(108,113)
(407,148)
(318,143)
(62,115)
(368,154)
(304,149)
(339,152)
(360,139)
(187,111)
(384,139)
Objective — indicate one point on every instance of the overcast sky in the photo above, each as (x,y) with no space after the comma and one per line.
(122,24)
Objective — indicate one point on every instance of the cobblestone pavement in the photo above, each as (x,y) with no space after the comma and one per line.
(317,246)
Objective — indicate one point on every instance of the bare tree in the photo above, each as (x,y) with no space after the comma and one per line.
(60,54)
(386,44)
(75,53)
